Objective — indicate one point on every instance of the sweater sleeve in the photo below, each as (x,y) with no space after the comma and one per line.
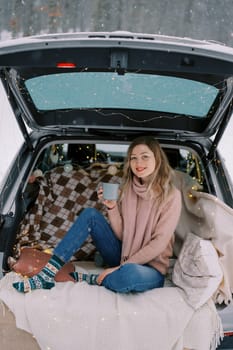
(163,233)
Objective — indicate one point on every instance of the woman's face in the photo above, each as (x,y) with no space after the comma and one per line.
(142,161)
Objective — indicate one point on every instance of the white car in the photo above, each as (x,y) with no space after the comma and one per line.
(79,99)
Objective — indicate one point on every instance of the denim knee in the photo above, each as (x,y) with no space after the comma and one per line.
(133,278)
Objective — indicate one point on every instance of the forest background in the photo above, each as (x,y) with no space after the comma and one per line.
(204,19)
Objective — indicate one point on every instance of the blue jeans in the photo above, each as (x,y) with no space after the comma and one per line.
(129,277)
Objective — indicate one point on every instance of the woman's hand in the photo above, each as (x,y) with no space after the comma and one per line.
(110,204)
(106,272)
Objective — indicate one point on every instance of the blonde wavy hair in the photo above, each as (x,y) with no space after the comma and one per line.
(160,182)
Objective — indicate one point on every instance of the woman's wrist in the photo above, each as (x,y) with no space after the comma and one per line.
(111,208)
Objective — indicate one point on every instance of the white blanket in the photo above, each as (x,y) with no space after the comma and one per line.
(79,316)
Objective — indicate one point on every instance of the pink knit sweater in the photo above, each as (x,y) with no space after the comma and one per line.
(145,227)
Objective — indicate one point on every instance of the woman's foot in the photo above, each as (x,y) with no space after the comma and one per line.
(79,277)
(44,279)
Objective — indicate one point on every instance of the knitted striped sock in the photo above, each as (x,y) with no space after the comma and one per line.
(89,278)
(44,279)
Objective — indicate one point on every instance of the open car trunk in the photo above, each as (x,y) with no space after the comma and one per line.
(79,100)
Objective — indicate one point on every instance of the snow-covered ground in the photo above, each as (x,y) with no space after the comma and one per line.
(226,147)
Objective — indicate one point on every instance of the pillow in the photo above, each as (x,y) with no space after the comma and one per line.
(197,270)
(32,260)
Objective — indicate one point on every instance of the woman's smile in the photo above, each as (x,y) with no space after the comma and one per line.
(139,169)
(142,161)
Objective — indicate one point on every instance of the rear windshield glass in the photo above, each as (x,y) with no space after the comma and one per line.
(113,91)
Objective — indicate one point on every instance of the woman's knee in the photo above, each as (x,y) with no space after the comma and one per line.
(121,279)
(133,278)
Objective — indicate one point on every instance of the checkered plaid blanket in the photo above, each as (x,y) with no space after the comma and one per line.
(62,196)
